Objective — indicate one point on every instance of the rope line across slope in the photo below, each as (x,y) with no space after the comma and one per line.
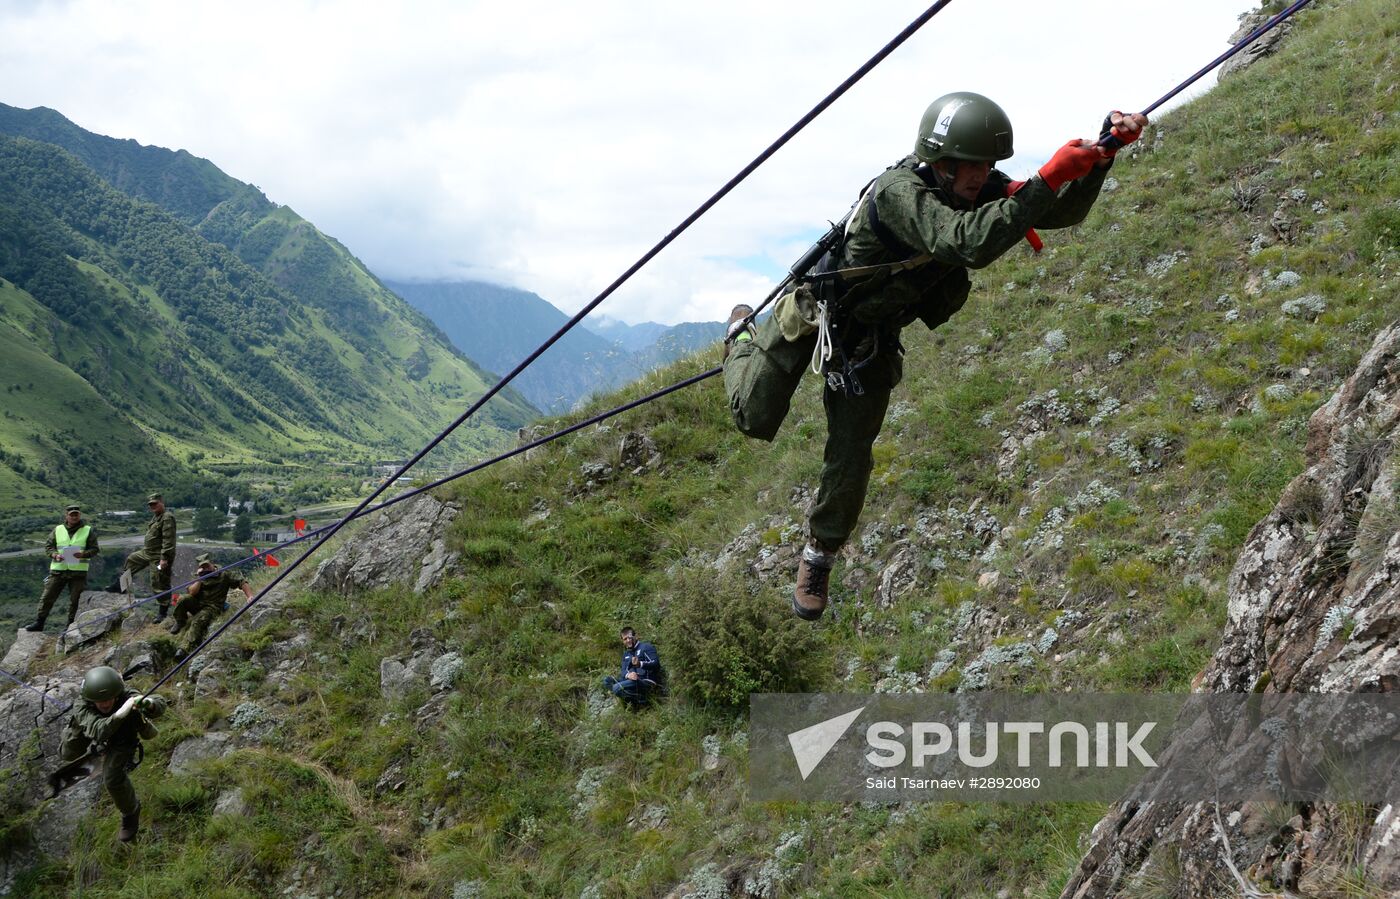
(704,207)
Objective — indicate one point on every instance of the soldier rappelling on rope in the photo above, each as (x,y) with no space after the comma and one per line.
(903,255)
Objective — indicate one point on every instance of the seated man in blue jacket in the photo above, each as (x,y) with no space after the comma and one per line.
(641,671)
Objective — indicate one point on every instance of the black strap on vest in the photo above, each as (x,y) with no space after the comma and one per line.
(882,231)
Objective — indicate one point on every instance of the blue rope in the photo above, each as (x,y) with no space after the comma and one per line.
(42,694)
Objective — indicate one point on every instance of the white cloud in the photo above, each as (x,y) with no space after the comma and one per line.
(549,145)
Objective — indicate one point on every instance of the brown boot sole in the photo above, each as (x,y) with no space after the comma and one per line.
(806,614)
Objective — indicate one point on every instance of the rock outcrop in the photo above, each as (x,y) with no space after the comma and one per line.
(426,665)
(405,545)
(99,613)
(24,651)
(1256,51)
(30,733)
(1314,607)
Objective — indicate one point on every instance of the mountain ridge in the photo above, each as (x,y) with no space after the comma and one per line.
(500,325)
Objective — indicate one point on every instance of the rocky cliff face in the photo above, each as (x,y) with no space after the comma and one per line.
(1314,608)
(406,544)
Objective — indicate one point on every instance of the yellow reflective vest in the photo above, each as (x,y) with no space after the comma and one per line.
(78,538)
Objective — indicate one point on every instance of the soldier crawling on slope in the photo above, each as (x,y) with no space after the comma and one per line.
(205,601)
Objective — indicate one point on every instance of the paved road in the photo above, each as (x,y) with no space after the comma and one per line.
(126,540)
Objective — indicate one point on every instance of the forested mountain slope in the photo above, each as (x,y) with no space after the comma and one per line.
(159,341)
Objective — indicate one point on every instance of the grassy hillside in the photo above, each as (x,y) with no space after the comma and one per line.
(147,330)
(1064,479)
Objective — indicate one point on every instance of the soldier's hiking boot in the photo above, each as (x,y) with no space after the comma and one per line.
(737,330)
(175,627)
(114,587)
(813,581)
(131,825)
(35,627)
(161,612)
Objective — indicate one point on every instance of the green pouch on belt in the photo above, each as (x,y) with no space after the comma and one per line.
(796,313)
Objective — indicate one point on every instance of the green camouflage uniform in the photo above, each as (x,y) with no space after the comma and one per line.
(204,603)
(761,375)
(160,544)
(74,581)
(88,726)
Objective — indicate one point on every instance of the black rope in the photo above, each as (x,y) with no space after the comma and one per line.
(602,416)
(1243,43)
(424,488)
(1110,140)
(496,388)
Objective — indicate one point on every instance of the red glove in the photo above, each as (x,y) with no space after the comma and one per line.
(1071,161)
(1031,237)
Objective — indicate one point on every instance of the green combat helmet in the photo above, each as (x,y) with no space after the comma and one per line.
(102,684)
(964,125)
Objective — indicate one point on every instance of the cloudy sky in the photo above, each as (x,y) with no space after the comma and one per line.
(547,145)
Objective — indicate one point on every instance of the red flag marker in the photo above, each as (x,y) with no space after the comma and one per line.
(272,561)
(256,552)
(299,525)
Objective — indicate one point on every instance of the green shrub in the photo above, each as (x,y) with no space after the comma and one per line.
(727,644)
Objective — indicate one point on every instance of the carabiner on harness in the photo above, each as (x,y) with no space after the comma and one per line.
(842,379)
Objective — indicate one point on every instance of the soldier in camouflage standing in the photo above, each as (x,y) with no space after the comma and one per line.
(206,600)
(904,255)
(158,551)
(71,546)
(112,719)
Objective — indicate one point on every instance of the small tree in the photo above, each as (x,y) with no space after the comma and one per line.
(242,528)
(209,523)
(726,644)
